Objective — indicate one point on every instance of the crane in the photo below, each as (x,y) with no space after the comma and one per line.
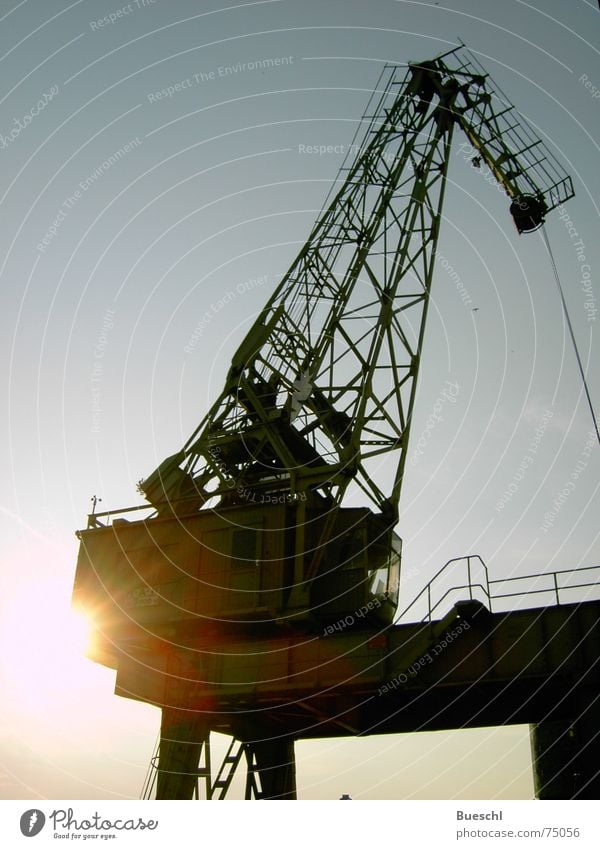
(273,517)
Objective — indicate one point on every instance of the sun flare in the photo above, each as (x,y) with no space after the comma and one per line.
(46,643)
(79,631)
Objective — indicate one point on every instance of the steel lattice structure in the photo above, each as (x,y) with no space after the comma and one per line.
(213,608)
(324,382)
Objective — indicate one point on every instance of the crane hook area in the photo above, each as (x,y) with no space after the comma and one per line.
(528,212)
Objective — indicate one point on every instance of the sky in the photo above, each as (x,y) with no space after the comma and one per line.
(150,166)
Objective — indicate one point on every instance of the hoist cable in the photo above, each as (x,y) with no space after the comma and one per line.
(570,326)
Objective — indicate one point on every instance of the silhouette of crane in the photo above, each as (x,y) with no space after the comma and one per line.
(272,524)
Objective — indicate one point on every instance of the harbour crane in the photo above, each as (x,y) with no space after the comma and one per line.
(275,519)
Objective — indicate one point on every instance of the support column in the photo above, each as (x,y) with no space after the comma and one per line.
(552,756)
(182,735)
(273,762)
(587,740)
(566,757)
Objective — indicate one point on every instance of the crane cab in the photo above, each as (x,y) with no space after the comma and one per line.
(235,568)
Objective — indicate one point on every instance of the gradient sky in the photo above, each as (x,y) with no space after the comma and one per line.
(212,193)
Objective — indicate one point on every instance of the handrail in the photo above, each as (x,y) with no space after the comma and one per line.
(151,772)
(555,586)
(92,519)
(470,586)
(427,594)
(544,574)
(555,590)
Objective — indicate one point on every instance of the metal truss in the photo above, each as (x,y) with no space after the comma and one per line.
(321,390)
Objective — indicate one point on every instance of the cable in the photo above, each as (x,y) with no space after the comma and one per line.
(570,326)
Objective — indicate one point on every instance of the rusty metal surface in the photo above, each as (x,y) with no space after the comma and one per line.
(498,669)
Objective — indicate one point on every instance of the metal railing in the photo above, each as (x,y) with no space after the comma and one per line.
(559,585)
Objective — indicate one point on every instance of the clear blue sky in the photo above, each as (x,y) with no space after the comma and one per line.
(127,214)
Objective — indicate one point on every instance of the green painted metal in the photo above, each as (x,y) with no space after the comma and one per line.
(324,382)
(321,388)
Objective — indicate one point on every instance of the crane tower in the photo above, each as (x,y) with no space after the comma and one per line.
(275,517)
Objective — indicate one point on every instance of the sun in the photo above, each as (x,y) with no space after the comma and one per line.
(46,641)
(79,631)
